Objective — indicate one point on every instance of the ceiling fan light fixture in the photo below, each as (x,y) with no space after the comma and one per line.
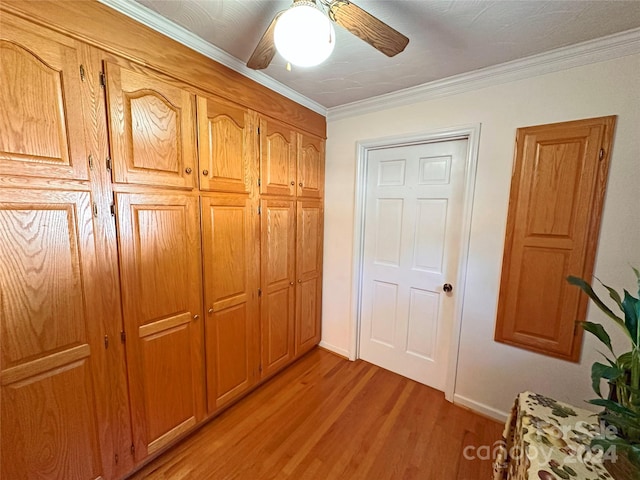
(304,35)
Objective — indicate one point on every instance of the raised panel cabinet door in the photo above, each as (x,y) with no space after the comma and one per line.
(227,146)
(152,129)
(161,290)
(49,419)
(41,122)
(557,191)
(231,279)
(277,158)
(278,230)
(309,237)
(310,166)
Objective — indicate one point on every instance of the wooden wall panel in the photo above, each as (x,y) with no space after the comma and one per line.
(41,122)
(310,166)
(161,288)
(227,140)
(557,191)
(231,277)
(277,158)
(278,271)
(47,337)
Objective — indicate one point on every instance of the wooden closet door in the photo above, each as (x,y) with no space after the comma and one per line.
(278,224)
(277,158)
(49,409)
(310,166)
(152,129)
(41,126)
(227,146)
(308,274)
(231,279)
(161,290)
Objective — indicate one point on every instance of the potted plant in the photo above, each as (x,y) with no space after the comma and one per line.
(622,407)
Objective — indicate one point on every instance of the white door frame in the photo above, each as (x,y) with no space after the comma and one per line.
(472,134)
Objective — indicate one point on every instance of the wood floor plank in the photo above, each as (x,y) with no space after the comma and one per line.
(328,418)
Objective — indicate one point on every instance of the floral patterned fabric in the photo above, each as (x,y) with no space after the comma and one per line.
(548,440)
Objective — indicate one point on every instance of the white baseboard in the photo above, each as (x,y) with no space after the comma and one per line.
(480,408)
(332,348)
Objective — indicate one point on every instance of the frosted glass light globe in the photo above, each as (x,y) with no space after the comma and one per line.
(304,36)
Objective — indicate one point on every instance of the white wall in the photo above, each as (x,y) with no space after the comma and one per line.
(490,374)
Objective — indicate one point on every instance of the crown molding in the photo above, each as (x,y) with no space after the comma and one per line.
(155,21)
(592,51)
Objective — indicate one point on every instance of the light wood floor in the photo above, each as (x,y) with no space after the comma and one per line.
(328,418)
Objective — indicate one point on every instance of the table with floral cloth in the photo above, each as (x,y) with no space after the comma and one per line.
(548,440)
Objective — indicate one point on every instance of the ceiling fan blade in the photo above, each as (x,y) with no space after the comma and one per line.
(266,48)
(367,27)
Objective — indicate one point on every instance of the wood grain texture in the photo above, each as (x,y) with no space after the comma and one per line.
(310,156)
(278,221)
(229,230)
(41,121)
(266,48)
(367,27)
(49,419)
(277,158)
(555,207)
(162,291)
(227,141)
(113,32)
(327,418)
(309,226)
(152,128)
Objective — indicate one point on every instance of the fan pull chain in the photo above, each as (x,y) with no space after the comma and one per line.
(288,67)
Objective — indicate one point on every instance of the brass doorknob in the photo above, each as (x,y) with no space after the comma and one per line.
(292,182)
(210,311)
(300,184)
(188,170)
(447,287)
(299,281)
(196,316)
(290,283)
(205,172)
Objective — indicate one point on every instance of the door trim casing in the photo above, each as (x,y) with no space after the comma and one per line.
(472,134)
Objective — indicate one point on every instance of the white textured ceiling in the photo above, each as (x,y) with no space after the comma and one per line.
(446,38)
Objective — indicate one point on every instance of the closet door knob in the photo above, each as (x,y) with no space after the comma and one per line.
(447,287)
(299,281)
(188,170)
(210,311)
(205,172)
(290,283)
(292,182)
(196,316)
(300,184)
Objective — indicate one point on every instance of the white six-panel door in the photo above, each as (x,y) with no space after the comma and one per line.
(413,216)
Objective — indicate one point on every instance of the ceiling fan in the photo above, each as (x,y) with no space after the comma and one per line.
(346,14)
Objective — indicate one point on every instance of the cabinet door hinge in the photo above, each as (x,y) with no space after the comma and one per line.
(259,210)
(259,292)
(123,336)
(133,449)
(103,80)
(109,163)
(116,458)
(90,162)
(106,341)
(601,156)
(112,209)
(82,72)
(95,209)
(260,368)
(259,182)
(258,130)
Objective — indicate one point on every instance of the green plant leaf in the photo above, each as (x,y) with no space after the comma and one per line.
(598,331)
(615,296)
(599,371)
(586,288)
(630,309)
(637,272)
(613,406)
